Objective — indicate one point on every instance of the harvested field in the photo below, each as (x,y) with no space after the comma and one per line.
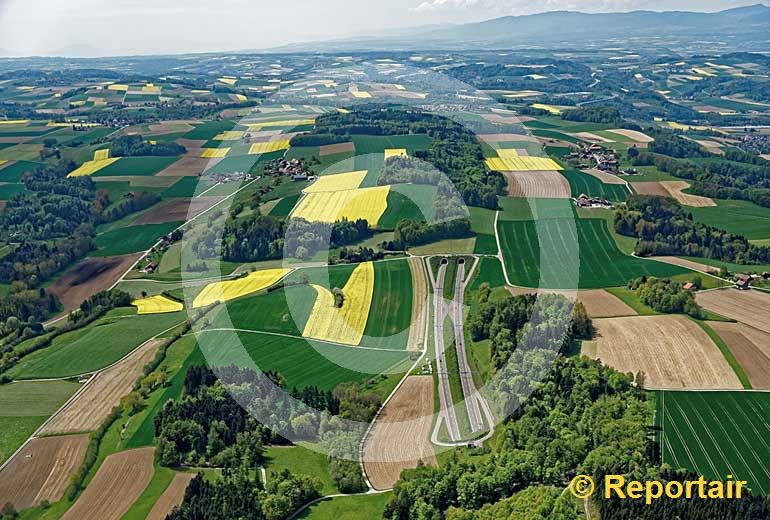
(400,437)
(675,190)
(634,135)
(89,277)
(119,482)
(42,470)
(172,497)
(93,403)
(688,264)
(651,188)
(537,184)
(504,138)
(751,349)
(188,166)
(672,351)
(497,118)
(191,143)
(605,177)
(711,146)
(176,210)
(597,302)
(417,325)
(591,138)
(168,127)
(749,307)
(331,149)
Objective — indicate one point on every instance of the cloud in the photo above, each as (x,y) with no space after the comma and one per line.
(517,7)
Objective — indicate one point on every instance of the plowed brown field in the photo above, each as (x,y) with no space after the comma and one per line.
(172,497)
(400,437)
(751,348)
(749,307)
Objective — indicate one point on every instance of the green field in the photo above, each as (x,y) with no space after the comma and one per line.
(348,508)
(583,183)
(24,406)
(301,362)
(408,202)
(184,187)
(553,263)
(13,172)
(391,310)
(9,190)
(716,434)
(136,166)
(300,461)
(483,224)
(284,206)
(132,239)
(93,347)
(736,216)
(488,271)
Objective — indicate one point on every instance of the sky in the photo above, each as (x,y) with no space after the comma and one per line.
(128,27)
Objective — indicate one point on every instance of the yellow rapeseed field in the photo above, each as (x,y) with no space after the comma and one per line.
(395,152)
(100,155)
(215,153)
(231,289)
(270,146)
(228,81)
(240,97)
(2,162)
(118,87)
(157,305)
(507,153)
(151,88)
(230,135)
(361,94)
(346,324)
(365,203)
(14,121)
(522,164)
(338,182)
(548,108)
(91,167)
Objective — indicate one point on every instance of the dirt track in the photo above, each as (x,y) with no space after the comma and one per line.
(42,470)
(749,307)
(751,349)
(89,408)
(89,277)
(172,497)
(537,184)
(119,482)
(597,302)
(672,351)
(419,305)
(401,434)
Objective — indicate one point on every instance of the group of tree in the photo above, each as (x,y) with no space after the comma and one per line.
(666,296)
(663,228)
(594,114)
(506,322)
(135,145)
(130,203)
(413,233)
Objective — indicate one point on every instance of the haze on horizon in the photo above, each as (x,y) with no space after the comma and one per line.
(132,27)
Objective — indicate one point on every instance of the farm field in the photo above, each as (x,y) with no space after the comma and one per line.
(134,166)
(171,497)
(751,348)
(716,434)
(365,203)
(599,262)
(388,324)
(25,406)
(42,470)
(537,184)
(84,350)
(749,307)
(104,391)
(300,460)
(177,210)
(400,437)
(598,303)
(736,216)
(132,239)
(157,304)
(583,183)
(302,362)
(348,508)
(88,277)
(346,323)
(672,351)
(115,487)
(419,317)
(232,289)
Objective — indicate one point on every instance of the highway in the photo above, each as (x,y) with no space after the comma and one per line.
(466,376)
(444,391)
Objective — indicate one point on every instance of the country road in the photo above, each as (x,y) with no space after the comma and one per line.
(470,393)
(444,391)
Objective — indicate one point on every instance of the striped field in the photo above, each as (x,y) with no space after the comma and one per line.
(717,434)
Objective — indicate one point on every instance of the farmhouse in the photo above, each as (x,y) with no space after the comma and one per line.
(584,201)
